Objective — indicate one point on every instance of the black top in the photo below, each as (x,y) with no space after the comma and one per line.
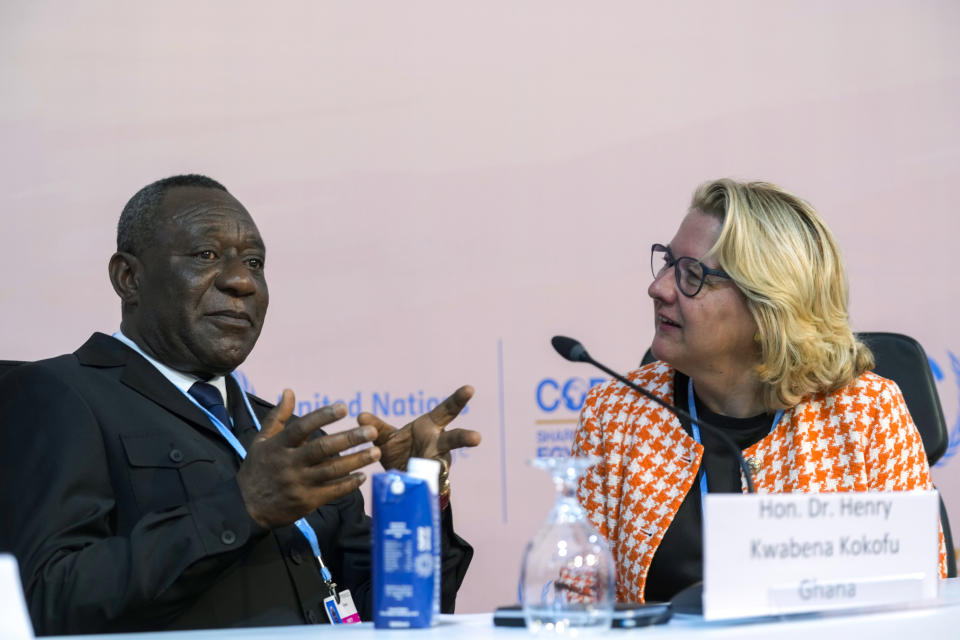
(678,561)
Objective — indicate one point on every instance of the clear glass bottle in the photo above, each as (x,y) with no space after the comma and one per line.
(567,578)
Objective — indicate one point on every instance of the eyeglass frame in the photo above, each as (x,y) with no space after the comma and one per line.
(672,262)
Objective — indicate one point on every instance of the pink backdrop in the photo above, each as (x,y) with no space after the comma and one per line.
(444,186)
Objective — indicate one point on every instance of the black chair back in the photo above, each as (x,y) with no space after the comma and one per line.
(902,359)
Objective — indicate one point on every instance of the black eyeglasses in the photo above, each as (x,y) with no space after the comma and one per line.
(690,272)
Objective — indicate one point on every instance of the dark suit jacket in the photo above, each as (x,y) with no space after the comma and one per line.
(119,500)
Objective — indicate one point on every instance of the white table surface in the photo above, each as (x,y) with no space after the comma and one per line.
(934,619)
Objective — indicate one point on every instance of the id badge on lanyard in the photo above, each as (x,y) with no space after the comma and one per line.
(340,608)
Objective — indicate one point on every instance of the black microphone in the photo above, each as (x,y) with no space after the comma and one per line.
(573,351)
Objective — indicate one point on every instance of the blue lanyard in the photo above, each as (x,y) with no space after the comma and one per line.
(227,434)
(696,436)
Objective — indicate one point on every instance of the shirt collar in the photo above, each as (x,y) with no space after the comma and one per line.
(179,379)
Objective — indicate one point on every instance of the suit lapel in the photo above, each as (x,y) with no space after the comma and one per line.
(244,427)
(102,350)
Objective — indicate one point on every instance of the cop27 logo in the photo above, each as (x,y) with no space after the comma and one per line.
(954,430)
(553,394)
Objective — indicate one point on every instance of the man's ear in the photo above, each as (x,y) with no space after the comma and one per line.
(125,270)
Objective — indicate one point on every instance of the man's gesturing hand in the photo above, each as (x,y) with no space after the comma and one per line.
(425,437)
(287,474)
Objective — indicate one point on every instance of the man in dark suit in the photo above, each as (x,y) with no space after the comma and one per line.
(141,488)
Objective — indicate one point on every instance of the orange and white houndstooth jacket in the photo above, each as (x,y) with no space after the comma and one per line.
(860,438)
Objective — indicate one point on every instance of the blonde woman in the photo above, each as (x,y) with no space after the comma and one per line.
(751,335)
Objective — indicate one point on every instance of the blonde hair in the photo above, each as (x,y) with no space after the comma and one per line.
(784,259)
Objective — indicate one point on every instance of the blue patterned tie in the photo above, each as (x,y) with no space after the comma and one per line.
(210,399)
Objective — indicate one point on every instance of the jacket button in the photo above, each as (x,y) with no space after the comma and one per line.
(311,616)
(228,537)
(176,455)
(296,556)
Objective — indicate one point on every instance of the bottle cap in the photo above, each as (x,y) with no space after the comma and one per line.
(427,470)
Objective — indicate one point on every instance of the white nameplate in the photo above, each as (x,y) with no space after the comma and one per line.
(14,621)
(769,554)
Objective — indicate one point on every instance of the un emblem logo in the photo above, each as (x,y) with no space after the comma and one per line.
(954,430)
